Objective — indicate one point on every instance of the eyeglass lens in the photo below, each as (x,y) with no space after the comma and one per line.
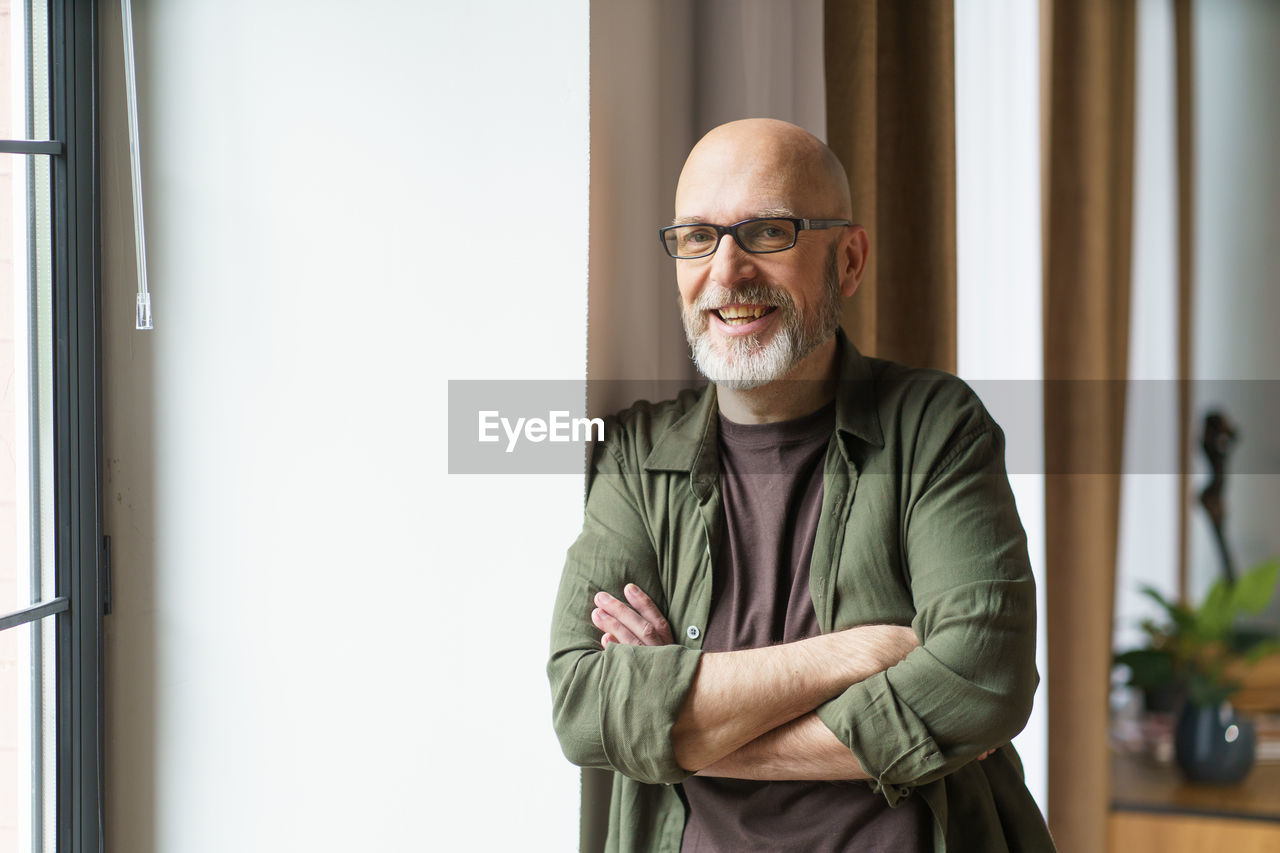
(754,235)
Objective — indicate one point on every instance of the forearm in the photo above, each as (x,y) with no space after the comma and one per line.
(803,749)
(738,696)
(945,706)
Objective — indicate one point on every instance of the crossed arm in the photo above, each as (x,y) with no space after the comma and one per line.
(655,710)
(748,714)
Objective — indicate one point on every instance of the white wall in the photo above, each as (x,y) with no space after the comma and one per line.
(321,641)
(999,345)
(1147,550)
(1237,292)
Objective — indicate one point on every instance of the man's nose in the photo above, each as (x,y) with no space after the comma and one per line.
(731,265)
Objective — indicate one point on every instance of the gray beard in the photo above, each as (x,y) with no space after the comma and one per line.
(744,363)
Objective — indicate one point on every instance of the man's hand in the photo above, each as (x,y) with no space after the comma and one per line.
(640,624)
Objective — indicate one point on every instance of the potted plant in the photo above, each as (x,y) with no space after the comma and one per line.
(1187,658)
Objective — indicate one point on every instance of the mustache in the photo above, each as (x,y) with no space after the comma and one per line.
(752,293)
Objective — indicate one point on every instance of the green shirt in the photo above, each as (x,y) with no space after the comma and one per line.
(918,527)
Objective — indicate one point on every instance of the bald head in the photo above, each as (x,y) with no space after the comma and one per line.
(757,167)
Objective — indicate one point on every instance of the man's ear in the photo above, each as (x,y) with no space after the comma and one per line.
(854,249)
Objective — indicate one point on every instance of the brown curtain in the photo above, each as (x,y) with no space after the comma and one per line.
(1186,261)
(1087,228)
(890,74)
(747,59)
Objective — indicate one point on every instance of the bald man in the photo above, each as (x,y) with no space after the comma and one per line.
(800,615)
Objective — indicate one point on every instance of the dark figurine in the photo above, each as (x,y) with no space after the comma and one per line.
(1219,437)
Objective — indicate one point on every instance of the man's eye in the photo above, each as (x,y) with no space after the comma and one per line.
(769,235)
(700,236)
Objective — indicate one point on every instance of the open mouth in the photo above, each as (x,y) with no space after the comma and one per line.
(741,315)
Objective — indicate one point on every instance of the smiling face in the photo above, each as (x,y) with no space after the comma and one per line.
(749,335)
(754,318)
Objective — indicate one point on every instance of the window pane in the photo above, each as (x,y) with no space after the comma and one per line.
(27,738)
(25,311)
(26,383)
(24,82)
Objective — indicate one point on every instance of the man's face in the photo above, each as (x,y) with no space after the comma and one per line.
(751,334)
(751,319)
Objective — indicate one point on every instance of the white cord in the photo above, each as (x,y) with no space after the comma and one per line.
(143,314)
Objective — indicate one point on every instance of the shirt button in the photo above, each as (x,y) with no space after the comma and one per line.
(693,632)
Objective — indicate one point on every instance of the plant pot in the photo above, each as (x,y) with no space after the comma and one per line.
(1213,745)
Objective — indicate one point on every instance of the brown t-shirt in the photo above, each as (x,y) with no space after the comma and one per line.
(771,483)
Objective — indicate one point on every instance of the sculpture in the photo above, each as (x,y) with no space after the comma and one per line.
(1219,436)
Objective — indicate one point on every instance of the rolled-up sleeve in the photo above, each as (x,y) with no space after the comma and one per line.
(614,708)
(969,687)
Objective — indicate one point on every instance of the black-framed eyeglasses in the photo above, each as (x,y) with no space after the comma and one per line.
(759,236)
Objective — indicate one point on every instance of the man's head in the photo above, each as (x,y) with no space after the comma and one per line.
(753,318)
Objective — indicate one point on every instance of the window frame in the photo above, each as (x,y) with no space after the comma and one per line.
(78,600)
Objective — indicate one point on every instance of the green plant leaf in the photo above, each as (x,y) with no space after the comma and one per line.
(1148,668)
(1215,616)
(1253,591)
(1152,629)
(1154,594)
(1179,615)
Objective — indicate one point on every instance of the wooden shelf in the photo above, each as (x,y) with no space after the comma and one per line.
(1139,832)
(1154,809)
(1139,784)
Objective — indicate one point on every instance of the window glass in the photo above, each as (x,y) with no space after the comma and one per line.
(26,383)
(24,70)
(27,738)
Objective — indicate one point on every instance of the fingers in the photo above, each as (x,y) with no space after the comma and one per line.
(638,624)
(623,622)
(645,607)
(613,627)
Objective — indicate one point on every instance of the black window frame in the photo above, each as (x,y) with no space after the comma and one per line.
(80,594)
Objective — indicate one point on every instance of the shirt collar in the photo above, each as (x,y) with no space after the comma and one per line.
(691,443)
(857,409)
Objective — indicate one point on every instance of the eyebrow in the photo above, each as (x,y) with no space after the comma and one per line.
(766,213)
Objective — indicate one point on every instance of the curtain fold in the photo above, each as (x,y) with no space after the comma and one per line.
(890,75)
(1088,221)
(641,53)
(1186,260)
(662,74)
